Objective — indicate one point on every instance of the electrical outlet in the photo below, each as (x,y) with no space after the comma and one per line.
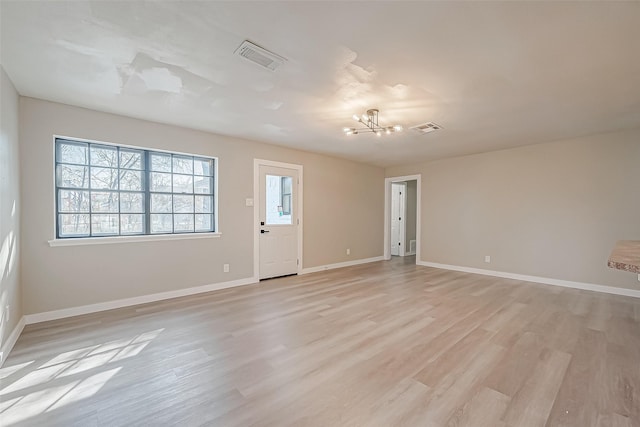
(487,258)
(348,251)
(225,268)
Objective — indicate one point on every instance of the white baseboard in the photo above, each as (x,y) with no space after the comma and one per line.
(11,341)
(127,302)
(536,279)
(341,264)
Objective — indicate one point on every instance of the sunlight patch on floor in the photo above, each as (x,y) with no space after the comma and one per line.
(62,380)
(10,370)
(86,388)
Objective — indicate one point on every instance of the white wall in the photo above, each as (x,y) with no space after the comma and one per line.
(10,293)
(63,277)
(551,210)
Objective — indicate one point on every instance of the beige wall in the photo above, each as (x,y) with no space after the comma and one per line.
(10,295)
(551,210)
(343,208)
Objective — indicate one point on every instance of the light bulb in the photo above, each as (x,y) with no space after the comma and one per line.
(379,133)
(365,118)
(346,129)
(397,128)
(388,131)
(356,118)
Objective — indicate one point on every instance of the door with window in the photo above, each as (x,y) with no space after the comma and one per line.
(279,221)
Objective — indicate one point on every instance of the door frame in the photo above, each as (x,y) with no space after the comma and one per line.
(387,212)
(256,211)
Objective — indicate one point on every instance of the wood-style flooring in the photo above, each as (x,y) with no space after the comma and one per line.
(380,344)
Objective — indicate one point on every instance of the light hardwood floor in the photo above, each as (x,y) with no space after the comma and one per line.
(381,344)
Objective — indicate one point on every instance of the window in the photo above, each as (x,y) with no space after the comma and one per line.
(278,200)
(110,190)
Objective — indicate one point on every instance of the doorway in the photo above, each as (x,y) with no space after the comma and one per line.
(402,216)
(399,218)
(278,219)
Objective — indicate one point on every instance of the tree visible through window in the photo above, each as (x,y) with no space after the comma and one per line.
(107,190)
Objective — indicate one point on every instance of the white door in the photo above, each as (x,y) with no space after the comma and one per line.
(278,221)
(397,218)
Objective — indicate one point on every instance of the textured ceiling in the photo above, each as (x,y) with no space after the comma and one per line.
(493,74)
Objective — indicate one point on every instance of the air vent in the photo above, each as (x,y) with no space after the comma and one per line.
(260,56)
(426,127)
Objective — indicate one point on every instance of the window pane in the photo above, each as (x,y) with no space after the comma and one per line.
(286,185)
(183,204)
(104,178)
(202,167)
(275,213)
(160,182)
(131,224)
(73,225)
(203,222)
(130,180)
(202,185)
(130,159)
(104,201)
(160,162)
(204,204)
(182,184)
(70,152)
(104,156)
(73,176)
(182,164)
(286,204)
(183,222)
(73,201)
(161,223)
(104,224)
(161,203)
(132,202)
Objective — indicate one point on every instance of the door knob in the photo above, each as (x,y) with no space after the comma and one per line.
(264,231)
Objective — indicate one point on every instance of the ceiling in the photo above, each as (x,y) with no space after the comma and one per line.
(492,74)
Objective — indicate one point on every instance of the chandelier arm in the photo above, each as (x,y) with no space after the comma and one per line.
(370,121)
(370,129)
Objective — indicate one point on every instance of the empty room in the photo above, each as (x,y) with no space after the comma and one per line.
(316,213)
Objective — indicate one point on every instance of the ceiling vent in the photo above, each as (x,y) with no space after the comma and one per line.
(426,127)
(260,56)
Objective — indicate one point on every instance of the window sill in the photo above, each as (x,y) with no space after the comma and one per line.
(130,239)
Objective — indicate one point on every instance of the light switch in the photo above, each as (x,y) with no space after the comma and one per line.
(249,202)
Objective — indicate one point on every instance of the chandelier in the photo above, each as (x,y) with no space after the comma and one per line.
(370,121)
